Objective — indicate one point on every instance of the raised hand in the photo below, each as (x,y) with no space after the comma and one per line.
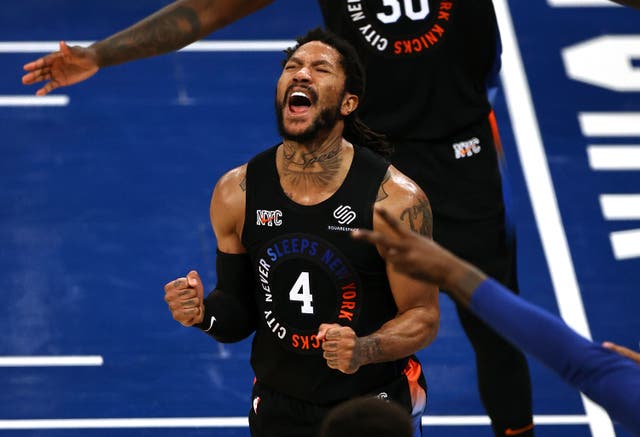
(65,67)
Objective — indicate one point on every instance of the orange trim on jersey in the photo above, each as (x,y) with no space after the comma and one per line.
(495,133)
(418,395)
(517,431)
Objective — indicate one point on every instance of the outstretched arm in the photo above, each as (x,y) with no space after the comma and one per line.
(609,379)
(171,28)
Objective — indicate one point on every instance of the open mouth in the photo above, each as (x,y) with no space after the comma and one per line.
(299,102)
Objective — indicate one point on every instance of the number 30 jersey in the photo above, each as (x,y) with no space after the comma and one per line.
(427,61)
(310,271)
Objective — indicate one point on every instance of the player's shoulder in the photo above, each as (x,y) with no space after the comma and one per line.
(403,198)
(232,179)
(398,187)
(230,188)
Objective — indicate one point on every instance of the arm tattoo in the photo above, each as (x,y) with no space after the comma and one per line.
(382,194)
(419,217)
(368,350)
(243,184)
(158,34)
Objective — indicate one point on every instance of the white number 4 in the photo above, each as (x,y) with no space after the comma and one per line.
(301,292)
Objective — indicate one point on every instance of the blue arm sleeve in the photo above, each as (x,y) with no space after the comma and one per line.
(609,379)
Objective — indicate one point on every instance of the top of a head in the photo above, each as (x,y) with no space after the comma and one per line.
(366,417)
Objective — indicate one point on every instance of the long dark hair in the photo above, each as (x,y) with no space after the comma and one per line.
(355,131)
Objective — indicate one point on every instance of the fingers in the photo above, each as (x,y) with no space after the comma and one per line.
(338,347)
(50,86)
(39,71)
(37,75)
(324,329)
(370,236)
(45,61)
(635,356)
(64,48)
(194,281)
(393,222)
(185,300)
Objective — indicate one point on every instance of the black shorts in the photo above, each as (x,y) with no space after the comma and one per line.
(274,414)
(462,178)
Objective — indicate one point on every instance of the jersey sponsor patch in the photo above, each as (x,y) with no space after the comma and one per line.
(400,28)
(304,281)
(266,217)
(344,214)
(465,149)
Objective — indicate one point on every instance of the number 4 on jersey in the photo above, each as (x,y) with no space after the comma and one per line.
(301,292)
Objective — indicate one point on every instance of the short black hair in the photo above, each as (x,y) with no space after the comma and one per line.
(367,417)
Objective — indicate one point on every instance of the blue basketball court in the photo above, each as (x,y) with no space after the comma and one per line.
(105,188)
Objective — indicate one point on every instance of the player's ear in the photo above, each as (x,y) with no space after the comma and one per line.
(349,104)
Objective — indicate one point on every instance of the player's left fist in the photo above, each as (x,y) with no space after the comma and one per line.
(340,344)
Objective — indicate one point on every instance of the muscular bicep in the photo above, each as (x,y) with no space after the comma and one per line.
(227,210)
(406,201)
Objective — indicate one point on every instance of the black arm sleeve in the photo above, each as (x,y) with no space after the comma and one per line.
(230,310)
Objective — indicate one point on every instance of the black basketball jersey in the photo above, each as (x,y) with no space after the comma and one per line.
(310,271)
(427,62)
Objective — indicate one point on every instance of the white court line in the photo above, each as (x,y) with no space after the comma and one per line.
(582,3)
(242,422)
(610,124)
(543,198)
(625,244)
(610,157)
(199,46)
(12,101)
(620,206)
(49,361)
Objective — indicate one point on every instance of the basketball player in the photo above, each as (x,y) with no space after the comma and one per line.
(333,321)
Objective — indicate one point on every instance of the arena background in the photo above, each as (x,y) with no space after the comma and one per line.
(105,189)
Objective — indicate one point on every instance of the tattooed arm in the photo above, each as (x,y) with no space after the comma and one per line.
(416,323)
(171,28)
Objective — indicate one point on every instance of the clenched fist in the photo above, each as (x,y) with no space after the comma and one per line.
(340,345)
(185,299)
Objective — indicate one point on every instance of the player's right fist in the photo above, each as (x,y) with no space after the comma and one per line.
(185,299)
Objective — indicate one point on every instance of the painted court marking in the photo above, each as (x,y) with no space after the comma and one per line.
(199,46)
(14,101)
(241,422)
(51,361)
(543,198)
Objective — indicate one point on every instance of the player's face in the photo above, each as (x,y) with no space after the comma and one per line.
(310,92)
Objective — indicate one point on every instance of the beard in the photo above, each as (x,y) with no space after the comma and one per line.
(327,119)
